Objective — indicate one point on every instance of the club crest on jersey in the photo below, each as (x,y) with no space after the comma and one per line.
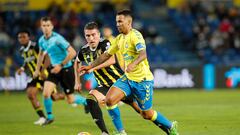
(108,45)
(126,46)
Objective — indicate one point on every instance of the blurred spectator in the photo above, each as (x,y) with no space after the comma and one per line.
(80,6)
(108,33)
(8,65)
(216,26)
(4,39)
(78,41)
(216,41)
(225,25)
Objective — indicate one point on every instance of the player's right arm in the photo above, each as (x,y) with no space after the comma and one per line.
(21,69)
(78,85)
(108,62)
(77,64)
(102,58)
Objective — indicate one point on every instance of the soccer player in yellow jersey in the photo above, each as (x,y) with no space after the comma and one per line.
(107,33)
(138,79)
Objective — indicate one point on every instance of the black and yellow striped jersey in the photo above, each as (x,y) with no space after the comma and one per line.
(105,76)
(30,55)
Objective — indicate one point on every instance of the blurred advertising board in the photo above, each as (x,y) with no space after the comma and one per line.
(17,82)
(228,77)
(208,77)
(177,77)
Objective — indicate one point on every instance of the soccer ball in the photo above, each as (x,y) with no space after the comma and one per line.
(83,133)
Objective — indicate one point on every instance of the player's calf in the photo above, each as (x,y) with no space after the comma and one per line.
(57,96)
(96,113)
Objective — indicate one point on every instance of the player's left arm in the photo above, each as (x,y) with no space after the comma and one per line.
(142,55)
(140,47)
(71,54)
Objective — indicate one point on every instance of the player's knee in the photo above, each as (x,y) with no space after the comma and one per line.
(70,101)
(146,115)
(110,101)
(53,97)
(45,95)
(31,95)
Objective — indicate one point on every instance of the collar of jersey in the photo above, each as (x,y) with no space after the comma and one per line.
(53,33)
(92,48)
(25,49)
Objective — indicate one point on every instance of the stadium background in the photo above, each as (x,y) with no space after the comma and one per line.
(193,46)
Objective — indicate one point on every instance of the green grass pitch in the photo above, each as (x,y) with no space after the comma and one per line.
(198,113)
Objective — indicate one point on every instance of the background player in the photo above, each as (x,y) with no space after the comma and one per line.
(29,51)
(61,54)
(138,79)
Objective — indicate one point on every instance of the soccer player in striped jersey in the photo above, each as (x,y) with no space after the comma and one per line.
(29,51)
(106,74)
(138,79)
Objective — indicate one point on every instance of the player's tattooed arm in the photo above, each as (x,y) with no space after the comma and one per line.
(102,58)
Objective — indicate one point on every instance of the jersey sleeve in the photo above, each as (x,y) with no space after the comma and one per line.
(138,41)
(105,46)
(113,48)
(63,42)
(79,57)
(23,63)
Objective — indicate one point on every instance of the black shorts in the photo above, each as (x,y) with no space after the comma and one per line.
(102,89)
(35,83)
(105,89)
(66,79)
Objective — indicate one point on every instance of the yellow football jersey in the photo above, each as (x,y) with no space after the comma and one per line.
(118,53)
(129,46)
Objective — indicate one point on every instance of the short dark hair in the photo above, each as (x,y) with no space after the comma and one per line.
(46,18)
(91,25)
(125,12)
(24,30)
